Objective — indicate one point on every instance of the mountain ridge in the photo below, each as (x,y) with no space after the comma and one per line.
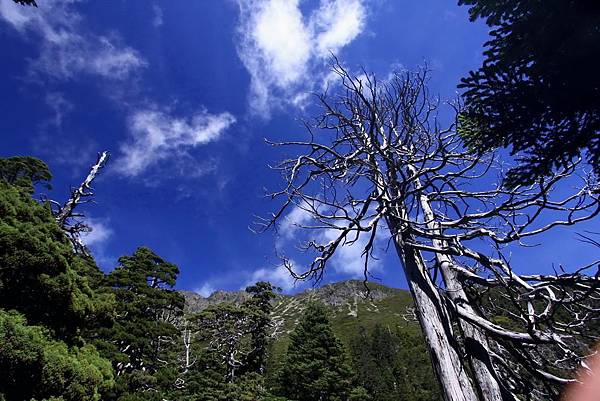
(334,295)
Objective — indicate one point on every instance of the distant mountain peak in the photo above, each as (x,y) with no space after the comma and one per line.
(335,295)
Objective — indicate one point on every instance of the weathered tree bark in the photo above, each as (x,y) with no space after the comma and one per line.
(65,215)
(81,192)
(476,345)
(388,159)
(435,323)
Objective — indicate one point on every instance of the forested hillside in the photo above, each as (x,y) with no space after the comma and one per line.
(68,331)
(376,325)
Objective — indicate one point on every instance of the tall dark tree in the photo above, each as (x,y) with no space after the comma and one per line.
(259,307)
(315,367)
(143,286)
(538,90)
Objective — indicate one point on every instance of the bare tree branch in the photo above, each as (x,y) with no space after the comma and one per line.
(67,218)
(377,154)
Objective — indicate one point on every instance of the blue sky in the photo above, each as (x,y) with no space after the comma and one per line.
(183,93)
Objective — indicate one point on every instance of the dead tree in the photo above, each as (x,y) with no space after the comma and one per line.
(378,164)
(66,216)
(186,333)
(226,327)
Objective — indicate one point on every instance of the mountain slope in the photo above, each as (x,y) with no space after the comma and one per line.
(350,303)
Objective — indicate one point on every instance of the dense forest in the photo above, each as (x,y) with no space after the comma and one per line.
(70,332)
(454,190)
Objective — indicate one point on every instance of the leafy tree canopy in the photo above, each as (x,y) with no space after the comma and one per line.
(538,90)
(36,367)
(24,172)
(40,276)
(146,307)
(316,367)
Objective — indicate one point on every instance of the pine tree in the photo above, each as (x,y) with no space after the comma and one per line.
(392,365)
(315,368)
(35,366)
(48,298)
(40,276)
(259,307)
(143,332)
(374,356)
(537,91)
(24,172)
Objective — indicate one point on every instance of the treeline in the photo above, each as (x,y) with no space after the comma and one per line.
(70,332)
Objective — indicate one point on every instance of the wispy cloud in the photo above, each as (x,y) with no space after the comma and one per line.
(67,49)
(280,47)
(157,136)
(96,240)
(60,106)
(157,19)
(205,290)
(279,276)
(99,234)
(348,260)
(295,220)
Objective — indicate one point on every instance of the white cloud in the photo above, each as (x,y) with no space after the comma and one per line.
(99,234)
(66,48)
(285,51)
(59,105)
(96,240)
(293,221)
(279,276)
(157,20)
(336,23)
(348,258)
(158,135)
(205,290)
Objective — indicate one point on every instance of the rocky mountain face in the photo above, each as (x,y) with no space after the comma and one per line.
(195,303)
(352,306)
(355,311)
(341,295)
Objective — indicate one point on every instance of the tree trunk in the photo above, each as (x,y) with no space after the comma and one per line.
(476,344)
(435,323)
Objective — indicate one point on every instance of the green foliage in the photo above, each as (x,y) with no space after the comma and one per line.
(234,343)
(538,90)
(143,329)
(229,350)
(248,387)
(259,307)
(36,367)
(359,394)
(77,334)
(393,365)
(315,367)
(24,172)
(40,276)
